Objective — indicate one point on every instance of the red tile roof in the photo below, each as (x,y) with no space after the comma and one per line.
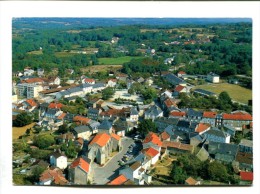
(31,102)
(177,145)
(55,105)
(165,135)
(81,163)
(202,127)
(121,179)
(240,117)
(191,181)
(61,116)
(151,152)
(153,138)
(169,102)
(80,140)
(54,175)
(81,120)
(115,136)
(177,114)
(179,88)
(100,139)
(246,176)
(113,80)
(89,80)
(33,80)
(181,72)
(209,114)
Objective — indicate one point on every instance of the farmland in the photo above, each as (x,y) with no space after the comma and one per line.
(236,92)
(116,61)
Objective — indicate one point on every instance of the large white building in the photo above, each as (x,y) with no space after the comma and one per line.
(212,77)
(28,90)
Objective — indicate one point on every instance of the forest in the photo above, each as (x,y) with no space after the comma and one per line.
(223,48)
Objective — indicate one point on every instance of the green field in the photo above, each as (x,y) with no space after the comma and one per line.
(236,92)
(35,53)
(116,61)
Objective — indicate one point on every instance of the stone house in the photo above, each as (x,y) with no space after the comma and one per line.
(79,171)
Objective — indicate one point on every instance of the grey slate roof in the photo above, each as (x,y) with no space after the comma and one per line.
(134,111)
(222,148)
(169,130)
(81,129)
(51,111)
(154,110)
(204,92)
(193,113)
(75,89)
(98,85)
(93,111)
(216,132)
(86,85)
(93,124)
(183,123)
(173,79)
(105,124)
(245,142)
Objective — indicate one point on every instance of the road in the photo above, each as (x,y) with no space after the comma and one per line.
(109,171)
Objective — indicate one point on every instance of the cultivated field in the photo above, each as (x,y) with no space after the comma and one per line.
(18,131)
(97,68)
(236,92)
(116,61)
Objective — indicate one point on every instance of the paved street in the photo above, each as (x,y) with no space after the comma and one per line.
(104,174)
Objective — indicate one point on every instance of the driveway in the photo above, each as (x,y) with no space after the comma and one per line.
(102,175)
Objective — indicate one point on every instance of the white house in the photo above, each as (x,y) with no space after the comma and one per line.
(83,131)
(212,77)
(153,154)
(88,81)
(54,81)
(58,159)
(134,114)
(111,83)
(28,72)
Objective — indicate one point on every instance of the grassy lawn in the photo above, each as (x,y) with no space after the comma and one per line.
(207,182)
(18,131)
(116,61)
(64,54)
(236,92)
(35,53)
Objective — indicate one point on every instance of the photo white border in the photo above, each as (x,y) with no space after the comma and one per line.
(8,10)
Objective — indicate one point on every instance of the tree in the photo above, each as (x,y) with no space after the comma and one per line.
(71,150)
(224,97)
(107,93)
(63,128)
(178,174)
(22,119)
(36,172)
(217,172)
(28,131)
(44,141)
(145,126)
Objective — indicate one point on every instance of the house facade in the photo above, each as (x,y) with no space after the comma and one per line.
(79,171)
(59,160)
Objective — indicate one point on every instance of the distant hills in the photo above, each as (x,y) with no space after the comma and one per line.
(98,22)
